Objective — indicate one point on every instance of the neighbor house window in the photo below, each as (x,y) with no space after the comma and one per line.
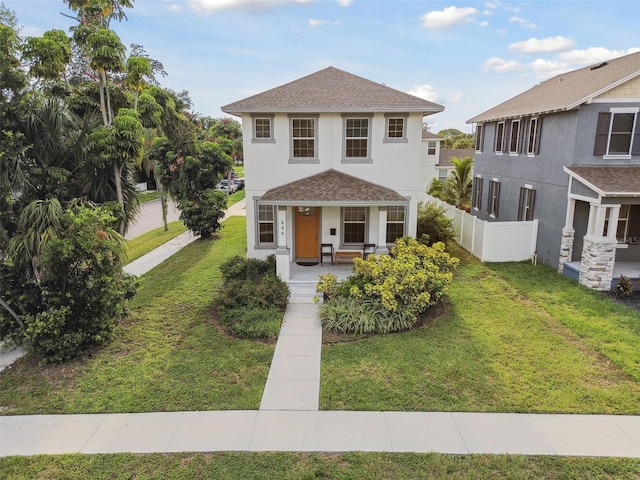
(493,201)
(266,224)
(500,137)
(431,148)
(395,223)
(526,204)
(479,140)
(303,139)
(396,128)
(356,140)
(443,174)
(615,133)
(476,193)
(533,136)
(354,220)
(514,137)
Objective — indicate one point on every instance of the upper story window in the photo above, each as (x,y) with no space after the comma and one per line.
(476,193)
(357,136)
(431,147)
(263,129)
(617,133)
(527,203)
(479,140)
(500,137)
(396,128)
(303,140)
(533,136)
(395,223)
(493,200)
(514,137)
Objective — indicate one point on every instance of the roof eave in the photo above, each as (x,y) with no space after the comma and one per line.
(424,111)
(333,203)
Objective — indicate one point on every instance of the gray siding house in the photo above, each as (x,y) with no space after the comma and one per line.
(567,152)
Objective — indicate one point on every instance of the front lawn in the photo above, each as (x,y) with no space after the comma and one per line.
(167,356)
(513,338)
(284,466)
(143,244)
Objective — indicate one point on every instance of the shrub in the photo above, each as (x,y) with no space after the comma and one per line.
(258,323)
(239,268)
(433,224)
(202,212)
(624,287)
(356,316)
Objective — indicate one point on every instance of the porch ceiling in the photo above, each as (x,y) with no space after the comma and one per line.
(332,187)
(608,180)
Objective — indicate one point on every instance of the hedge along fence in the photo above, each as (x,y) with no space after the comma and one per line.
(492,241)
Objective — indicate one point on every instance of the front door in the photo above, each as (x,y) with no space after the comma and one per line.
(307,227)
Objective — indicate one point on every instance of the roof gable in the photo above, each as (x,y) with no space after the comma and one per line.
(566,91)
(331,187)
(332,90)
(608,180)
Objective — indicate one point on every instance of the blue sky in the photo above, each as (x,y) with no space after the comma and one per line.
(467,56)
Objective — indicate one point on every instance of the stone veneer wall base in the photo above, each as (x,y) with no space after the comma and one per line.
(598,257)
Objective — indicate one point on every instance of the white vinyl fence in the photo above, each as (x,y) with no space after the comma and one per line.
(492,241)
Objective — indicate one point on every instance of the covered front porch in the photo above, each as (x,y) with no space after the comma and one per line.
(601,237)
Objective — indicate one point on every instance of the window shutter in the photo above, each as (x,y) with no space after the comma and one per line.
(602,133)
(506,137)
(497,193)
(521,203)
(532,204)
(536,141)
(635,149)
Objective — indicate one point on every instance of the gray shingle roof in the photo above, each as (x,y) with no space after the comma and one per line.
(566,91)
(332,90)
(447,154)
(609,180)
(331,187)
(430,136)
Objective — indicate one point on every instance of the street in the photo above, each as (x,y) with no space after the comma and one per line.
(150,218)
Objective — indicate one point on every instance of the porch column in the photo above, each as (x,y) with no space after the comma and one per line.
(283,263)
(599,250)
(381,244)
(568,234)
(614,215)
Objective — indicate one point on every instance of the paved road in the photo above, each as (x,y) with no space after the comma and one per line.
(150,217)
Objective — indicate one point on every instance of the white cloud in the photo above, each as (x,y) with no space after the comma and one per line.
(313,22)
(483,24)
(544,68)
(494,5)
(345,3)
(454,96)
(212,5)
(593,55)
(448,17)
(523,22)
(543,45)
(174,7)
(425,91)
(500,65)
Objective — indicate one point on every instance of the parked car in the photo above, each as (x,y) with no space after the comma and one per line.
(239,183)
(225,185)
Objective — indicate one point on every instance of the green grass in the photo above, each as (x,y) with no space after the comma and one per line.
(167,356)
(290,466)
(515,338)
(148,196)
(235,197)
(146,242)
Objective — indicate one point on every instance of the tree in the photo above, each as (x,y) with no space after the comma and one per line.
(456,189)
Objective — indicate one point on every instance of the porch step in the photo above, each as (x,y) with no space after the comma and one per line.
(302,292)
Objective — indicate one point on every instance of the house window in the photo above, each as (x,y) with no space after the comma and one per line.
(514,138)
(622,229)
(395,223)
(354,220)
(443,174)
(526,203)
(266,224)
(476,196)
(431,148)
(615,133)
(356,140)
(479,140)
(303,138)
(263,129)
(533,136)
(500,137)
(493,201)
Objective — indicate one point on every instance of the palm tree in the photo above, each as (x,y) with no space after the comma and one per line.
(460,182)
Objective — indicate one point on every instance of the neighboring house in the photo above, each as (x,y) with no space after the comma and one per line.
(567,152)
(330,158)
(445,166)
(429,159)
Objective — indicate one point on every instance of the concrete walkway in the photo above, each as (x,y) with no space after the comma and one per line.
(289,419)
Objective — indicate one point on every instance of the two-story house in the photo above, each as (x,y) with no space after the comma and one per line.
(567,152)
(332,160)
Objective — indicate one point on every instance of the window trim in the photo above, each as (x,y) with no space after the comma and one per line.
(258,222)
(478,143)
(526,203)
(493,198)
(476,193)
(514,149)
(316,143)
(396,222)
(387,120)
(435,147)
(343,222)
(534,129)
(500,137)
(604,130)
(254,137)
(345,118)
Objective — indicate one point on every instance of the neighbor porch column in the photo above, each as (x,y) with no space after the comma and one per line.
(381,244)
(283,263)
(599,250)
(568,234)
